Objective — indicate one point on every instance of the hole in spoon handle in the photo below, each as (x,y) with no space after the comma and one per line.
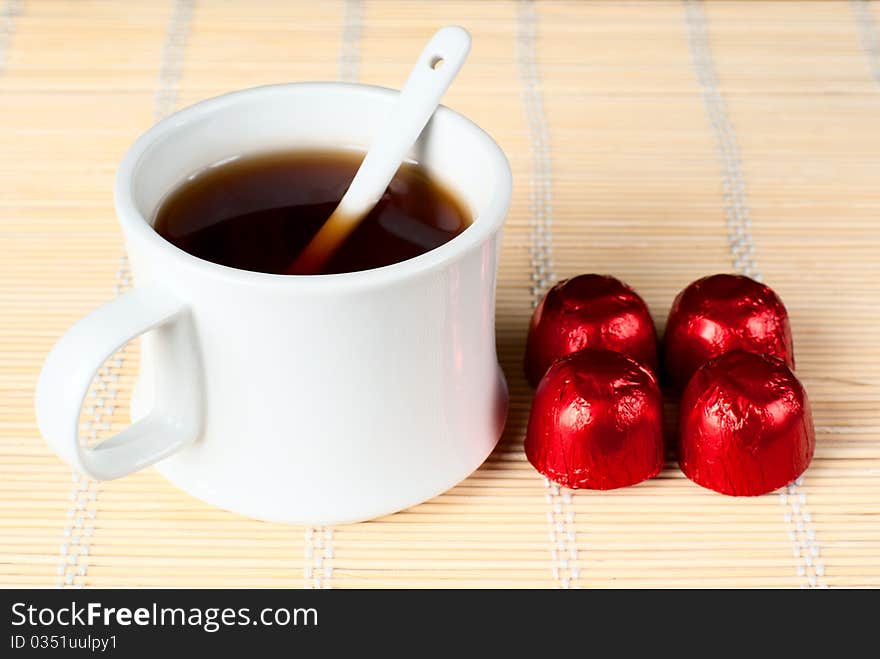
(447,50)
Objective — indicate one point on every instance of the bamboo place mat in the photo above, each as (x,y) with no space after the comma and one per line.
(658,142)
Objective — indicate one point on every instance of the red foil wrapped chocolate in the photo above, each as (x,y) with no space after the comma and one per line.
(596,422)
(745,426)
(589,311)
(721,313)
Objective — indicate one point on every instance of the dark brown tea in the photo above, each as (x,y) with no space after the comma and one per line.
(258,212)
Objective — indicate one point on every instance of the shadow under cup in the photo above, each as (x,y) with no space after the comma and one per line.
(325,398)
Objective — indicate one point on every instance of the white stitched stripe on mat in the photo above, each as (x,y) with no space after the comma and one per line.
(79,527)
(318,557)
(350,51)
(868,35)
(560,516)
(318,564)
(736,209)
(172,57)
(8,13)
(799,523)
(802,534)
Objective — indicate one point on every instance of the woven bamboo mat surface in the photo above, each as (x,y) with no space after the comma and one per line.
(658,142)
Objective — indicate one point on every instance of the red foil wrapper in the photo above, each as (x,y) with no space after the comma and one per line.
(745,426)
(596,422)
(589,311)
(721,313)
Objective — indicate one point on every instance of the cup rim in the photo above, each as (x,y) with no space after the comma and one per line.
(483,224)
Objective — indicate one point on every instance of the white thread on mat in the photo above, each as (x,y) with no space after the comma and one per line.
(318,555)
(560,515)
(868,35)
(742,247)
(80,526)
(350,51)
(799,523)
(318,541)
(99,408)
(176,38)
(9,11)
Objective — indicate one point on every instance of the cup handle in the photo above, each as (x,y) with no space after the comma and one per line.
(176,418)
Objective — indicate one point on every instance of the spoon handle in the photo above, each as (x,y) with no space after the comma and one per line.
(434,71)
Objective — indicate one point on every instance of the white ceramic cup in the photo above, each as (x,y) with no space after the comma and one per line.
(311,399)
